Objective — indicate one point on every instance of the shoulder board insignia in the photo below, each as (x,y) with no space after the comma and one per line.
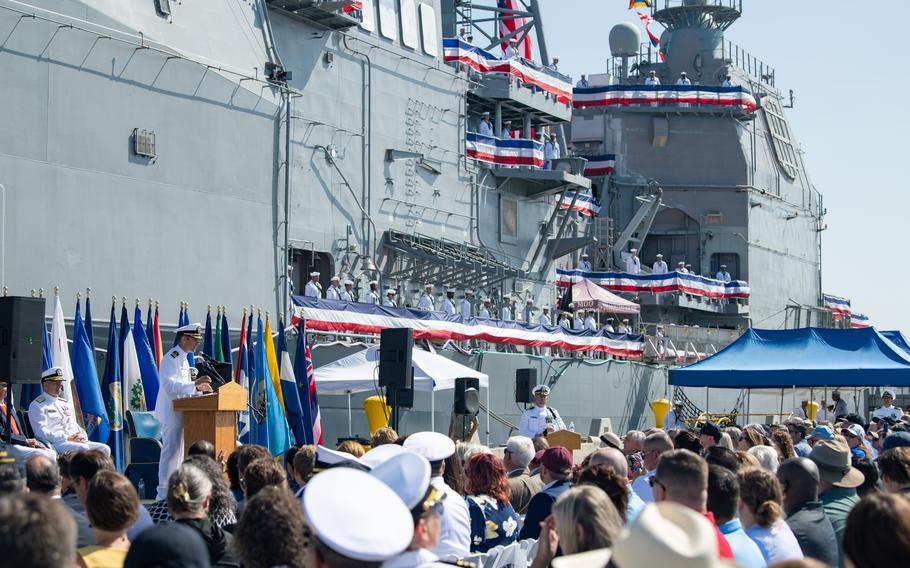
(60,398)
(174,354)
(40,399)
(462,563)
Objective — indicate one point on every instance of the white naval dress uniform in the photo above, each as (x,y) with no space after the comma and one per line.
(888,412)
(534,421)
(579,323)
(652,81)
(387,303)
(564,323)
(609,328)
(590,324)
(345,296)
(53,420)
(484,313)
(722,275)
(466,308)
(175,382)
(633,264)
(373,297)
(544,319)
(420,558)
(585,265)
(659,267)
(485,128)
(427,303)
(448,306)
(675,420)
(333,293)
(313,290)
(505,312)
(455,523)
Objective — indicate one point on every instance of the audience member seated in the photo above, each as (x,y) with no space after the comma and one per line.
(517,455)
(555,469)
(189,495)
(767,457)
(261,474)
(69,498)
(806,517)
(112,505)
(233,475)
(304,464)
(352,447)
(615,486)
(246,454)
(761,512)
(222,505)
(894,465)
(12,479)
(50,531)
(202,448)
(615,460)
(382,436)
(838,481)
(271,531)
(686,440)
(878,532)
(287,461)
(168,545)
(723,501)
(493,520)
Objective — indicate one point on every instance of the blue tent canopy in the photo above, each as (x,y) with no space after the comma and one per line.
(898,339)
(807,357)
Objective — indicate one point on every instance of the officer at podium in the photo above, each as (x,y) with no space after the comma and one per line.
(176,382)
(541,419)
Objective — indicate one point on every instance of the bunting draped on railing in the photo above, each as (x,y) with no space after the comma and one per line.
(585,204)
(354,317)
(504,151)
(838,305)
(600,165)
(482,61)
(623,95)
(859,320)
(656,283)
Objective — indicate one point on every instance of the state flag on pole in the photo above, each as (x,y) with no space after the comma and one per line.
(226,339)
(60,351)
(130,373)
(292,404)
(156,335)
(112,392)
(272,362)
(243,379)
(208,343)
(89,327)
(268,426)
(146,361)
(306,386)
(219,356)
(85,378)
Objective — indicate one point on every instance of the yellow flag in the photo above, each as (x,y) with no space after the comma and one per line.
(273,361)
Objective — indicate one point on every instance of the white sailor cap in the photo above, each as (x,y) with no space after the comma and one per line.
(625,320)
(53,374)
(430,286)
(513,39)
(543,389)
(485,113)
(653,72)
(450,290)
(469,291)
(633,250)
(723,265)
(348,282)
(546,308)
(327,458)
(193,330)
(314,273)
(683,73)
(380,454)
(290,267)
(682,262)
(390,291)
(888,392)
(529,301)
(370,530)
(374,283)
(431,445)
(584,255)
(407,474)
(658,255)
(336,278)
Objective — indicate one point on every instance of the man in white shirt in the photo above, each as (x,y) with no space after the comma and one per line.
(427,302)
(683,79)
(722,274)
(886,410)
(484,311)
(544,318)
(373,294)
(676,419)
(313,288)
(389,301)
(652,78)
(540,419)
(564,322)
(347,295)
(585,263)
(485,128)
(505,311)
(448,303)
(582,82)
(467,304)
(633,263)
(624,327)
(551,151)
(681,267)
(590,323)
(727,82)
(511,52)
(609,326)
(579,320)
(527,314)
(651,449)
(659,267)
(554,65)
(334,291)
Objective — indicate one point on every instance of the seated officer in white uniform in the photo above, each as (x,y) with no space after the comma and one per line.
(455,526)
(408,475)
(176,382)
(313,288)
(540,419)
(52,417)
(23,446)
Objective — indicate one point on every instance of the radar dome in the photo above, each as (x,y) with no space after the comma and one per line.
(624,40)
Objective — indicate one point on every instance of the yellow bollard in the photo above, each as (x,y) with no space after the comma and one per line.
(377,413)
(812,410)
(660,408)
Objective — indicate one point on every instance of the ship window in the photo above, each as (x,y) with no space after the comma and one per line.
(508,219)
(428,30)
(368,16)
(409,34)
(388,19)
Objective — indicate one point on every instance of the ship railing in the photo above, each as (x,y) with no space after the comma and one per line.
(665,4)
(751,65)
(504,152)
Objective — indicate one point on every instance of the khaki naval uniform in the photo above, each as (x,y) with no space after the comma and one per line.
(53,420)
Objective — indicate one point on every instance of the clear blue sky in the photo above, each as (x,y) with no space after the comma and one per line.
(845,61)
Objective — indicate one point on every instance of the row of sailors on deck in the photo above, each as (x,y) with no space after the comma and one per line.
(633,266)
(653,79)
(551,147)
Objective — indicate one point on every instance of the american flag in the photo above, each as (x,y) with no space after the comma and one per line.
(306,385)
(508,24)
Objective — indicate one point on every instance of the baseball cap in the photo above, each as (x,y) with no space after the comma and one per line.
(557,459)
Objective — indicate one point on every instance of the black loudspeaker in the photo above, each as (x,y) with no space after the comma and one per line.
(404,398)
(395,345)
(21,340)
(467,396)
(525,380)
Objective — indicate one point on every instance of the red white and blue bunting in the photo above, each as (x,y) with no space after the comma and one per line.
(600,165)
(355,317)
(657,283)
(859,320)
(838,305)
(504,151)
(697,95)
(455,50)
(585,204)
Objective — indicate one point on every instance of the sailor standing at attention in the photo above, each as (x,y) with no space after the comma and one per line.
(347,295)
(313,288)
(683,79)
(485,310)
(176,382)
(540,419)
(544,318)
(373,294)
(585,263)
(722,274)
(505,311)
(609,326)
(485,128)
(467,306)
(427,302)
(659,267)
(633,263)
(590,324)
(334,291)
(652,79)
(389,301)
(579,320)
(52,417)
(448,303)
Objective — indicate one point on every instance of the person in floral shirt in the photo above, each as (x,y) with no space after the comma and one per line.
(493,520)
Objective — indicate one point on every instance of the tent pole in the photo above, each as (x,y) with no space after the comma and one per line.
(707,404)
(433,410)
(488,414)
(781,415)
(794,398)
(350,416)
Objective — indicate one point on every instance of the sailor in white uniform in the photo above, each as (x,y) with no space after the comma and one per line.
(585,263)
(313,288)
(176,381)
(427,301)
(408,475)
(564,322)
(633,263)
(727,82)
(53,419)
(485,310)
(590,323)
(544,318)
(609,326)
(455,526)
(347,295)
(527,314)
(722,274)
(624,327)
(681,267)
(540,419)
(582,82)
(448,303)
(511,52)
(389,301)
(373,294)
(334,291)
(652,78)
(886,410)
(505,311)
(467,306)
(485,127)
(659,267)
(683,79)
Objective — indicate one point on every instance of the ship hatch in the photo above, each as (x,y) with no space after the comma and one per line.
(780,136)
(329,14)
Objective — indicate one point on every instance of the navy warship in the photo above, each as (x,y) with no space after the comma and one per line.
(219,152)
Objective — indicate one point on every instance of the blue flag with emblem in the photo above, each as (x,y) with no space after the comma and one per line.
(112,393)
(292,405)
(226,341)
(148,366)
(208,340)
(85,377)
(268,426)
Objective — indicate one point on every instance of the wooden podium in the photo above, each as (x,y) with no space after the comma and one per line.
(213,417)
(566,439)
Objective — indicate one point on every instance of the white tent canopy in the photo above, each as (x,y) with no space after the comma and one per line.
(359,372)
